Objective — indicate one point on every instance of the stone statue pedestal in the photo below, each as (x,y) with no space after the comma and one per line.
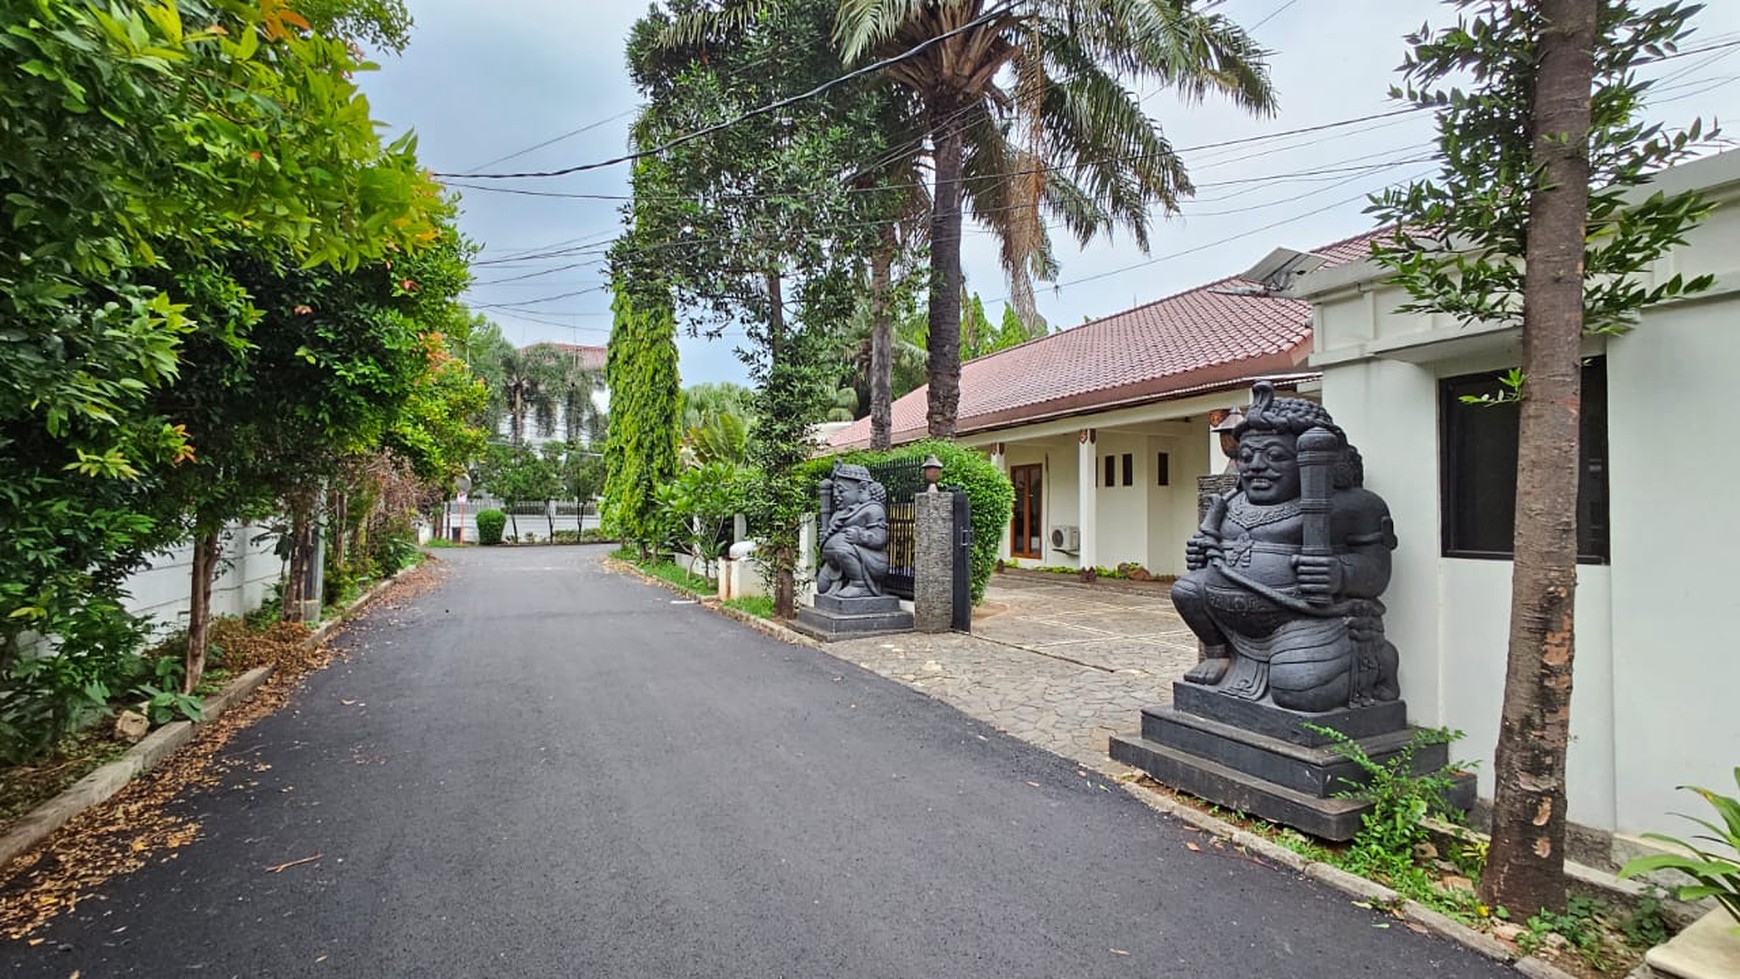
(1257,758)
(834,618)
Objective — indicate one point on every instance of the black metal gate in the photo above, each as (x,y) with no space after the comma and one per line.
(902,478)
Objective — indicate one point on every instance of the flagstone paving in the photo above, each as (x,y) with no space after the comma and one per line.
(1057,663)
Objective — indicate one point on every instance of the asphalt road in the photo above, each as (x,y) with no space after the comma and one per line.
(543,769)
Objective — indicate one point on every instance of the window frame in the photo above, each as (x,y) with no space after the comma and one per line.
(1594,496)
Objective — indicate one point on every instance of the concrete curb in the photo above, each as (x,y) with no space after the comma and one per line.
(98,786)
(1352,885)
(766,626)
(773,629)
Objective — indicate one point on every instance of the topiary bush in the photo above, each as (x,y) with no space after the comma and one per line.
(989,494)
(489,526)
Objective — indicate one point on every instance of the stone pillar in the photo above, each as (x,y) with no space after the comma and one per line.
(933,587)
(739,527)
(1088,481)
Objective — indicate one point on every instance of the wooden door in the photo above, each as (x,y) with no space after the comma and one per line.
(1027,531)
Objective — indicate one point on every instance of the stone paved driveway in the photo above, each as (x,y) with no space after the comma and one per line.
(1052,661)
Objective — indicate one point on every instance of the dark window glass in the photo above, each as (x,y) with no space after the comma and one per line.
(1129,469)
(1163,470)
(1111,471)
(1478,449)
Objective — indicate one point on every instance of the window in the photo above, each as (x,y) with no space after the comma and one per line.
(1163,470)
(1129,470)
(1111,471)
(1478,454)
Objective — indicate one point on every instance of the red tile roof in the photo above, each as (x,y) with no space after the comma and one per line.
(591,358)
(1207,336)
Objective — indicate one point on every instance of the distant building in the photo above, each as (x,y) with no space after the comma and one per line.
(588,357)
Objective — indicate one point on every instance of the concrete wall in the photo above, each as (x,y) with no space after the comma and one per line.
(1123,510)
(1655,674)
(249,572)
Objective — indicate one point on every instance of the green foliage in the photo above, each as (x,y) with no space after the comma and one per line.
(990,496)
(1716,873)
(148,151)
(1401,800)
(51,687)
(1581,925)
(667,571)
(695,509)
(759,606)
(490,524)
(1646,926)
(641,452)
(162,696)
(1469,227)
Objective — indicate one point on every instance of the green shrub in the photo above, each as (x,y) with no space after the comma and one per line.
(989,494)
(489,526)
(1716,872)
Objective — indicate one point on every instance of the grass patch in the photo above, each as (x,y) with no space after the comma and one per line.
(760,606)
(439,543)
(668,571)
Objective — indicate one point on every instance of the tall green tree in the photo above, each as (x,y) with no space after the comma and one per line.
(641,450)
(759,225)
(1060,74)
(134,131)
(1532,222)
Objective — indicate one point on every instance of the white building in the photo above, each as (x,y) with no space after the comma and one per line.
(1658,597)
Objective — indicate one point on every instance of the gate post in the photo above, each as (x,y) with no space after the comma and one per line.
(962,537)
(933,586)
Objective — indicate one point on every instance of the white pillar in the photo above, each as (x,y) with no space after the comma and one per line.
(1088,481)
(1000,459)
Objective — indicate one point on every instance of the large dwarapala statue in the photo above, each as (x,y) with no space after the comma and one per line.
(1286,570)
(854,534)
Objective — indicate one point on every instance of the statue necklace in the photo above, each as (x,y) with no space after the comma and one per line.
(1253,515)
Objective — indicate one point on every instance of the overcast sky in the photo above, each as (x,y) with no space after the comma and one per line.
(483,82)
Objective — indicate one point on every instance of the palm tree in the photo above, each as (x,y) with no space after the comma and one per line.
(1015,94)
(526,386)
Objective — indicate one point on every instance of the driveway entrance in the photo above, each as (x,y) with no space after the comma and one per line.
(1052,661)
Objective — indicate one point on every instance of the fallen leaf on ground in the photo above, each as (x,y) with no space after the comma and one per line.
(1193,848)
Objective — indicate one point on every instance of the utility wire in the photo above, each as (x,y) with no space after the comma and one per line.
(775,106)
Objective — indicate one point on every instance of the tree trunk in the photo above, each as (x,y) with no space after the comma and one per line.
(1525,868)
(785,558)
(301,556)
(882,341)
(205,560)
(945,270)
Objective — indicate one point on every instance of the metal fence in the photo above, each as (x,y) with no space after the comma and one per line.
(903,479)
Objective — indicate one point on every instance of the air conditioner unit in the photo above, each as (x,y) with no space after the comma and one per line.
(1066,539)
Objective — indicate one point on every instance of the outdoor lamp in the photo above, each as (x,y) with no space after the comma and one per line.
(1229,445)
(932,472)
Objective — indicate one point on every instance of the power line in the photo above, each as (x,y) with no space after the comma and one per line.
(831,83)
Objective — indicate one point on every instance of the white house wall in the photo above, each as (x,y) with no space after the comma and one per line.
(1656,670)
(249,571)
(1676,541)
(1144,522)
(1123,510)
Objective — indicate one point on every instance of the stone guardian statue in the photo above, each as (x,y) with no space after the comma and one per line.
(1286,570)
(854,534)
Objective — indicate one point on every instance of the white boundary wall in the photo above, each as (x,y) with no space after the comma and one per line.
(1655,670)
(248,572)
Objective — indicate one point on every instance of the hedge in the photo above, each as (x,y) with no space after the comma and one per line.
(489,526)
(989,494)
